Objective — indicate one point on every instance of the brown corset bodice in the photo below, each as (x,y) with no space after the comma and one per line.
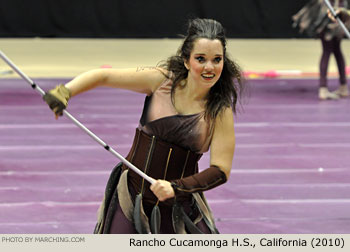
(159,160)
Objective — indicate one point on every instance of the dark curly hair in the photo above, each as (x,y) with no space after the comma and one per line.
(229,87)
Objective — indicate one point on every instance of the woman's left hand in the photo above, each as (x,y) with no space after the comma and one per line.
(162,189)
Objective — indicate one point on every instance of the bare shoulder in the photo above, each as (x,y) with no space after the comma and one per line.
(157,72)
(152,69)
(225,118)
(156,75)
(142,79)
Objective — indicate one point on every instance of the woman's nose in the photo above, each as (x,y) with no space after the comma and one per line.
(209,66)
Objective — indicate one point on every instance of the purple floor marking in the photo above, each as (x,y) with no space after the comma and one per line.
(290,173)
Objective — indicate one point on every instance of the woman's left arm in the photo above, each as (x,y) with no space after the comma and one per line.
(223,143)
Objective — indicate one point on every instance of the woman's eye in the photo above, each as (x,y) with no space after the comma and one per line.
(217,59)
(200,59)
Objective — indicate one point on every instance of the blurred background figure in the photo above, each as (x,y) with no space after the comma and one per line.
(312,20)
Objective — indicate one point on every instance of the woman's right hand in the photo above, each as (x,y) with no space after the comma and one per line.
(57,99)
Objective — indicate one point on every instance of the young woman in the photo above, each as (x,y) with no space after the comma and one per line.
(189,106)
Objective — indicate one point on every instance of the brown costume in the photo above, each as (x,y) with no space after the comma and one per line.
(167,145)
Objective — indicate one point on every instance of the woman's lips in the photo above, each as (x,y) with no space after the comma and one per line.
(208,76)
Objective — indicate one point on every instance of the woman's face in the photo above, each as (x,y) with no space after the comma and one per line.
(206,62)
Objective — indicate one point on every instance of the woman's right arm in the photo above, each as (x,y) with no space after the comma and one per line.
(143,80)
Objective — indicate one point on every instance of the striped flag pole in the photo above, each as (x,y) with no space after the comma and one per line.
(79,124)
(331,9)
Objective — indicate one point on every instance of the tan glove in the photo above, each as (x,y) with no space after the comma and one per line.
(57,99)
